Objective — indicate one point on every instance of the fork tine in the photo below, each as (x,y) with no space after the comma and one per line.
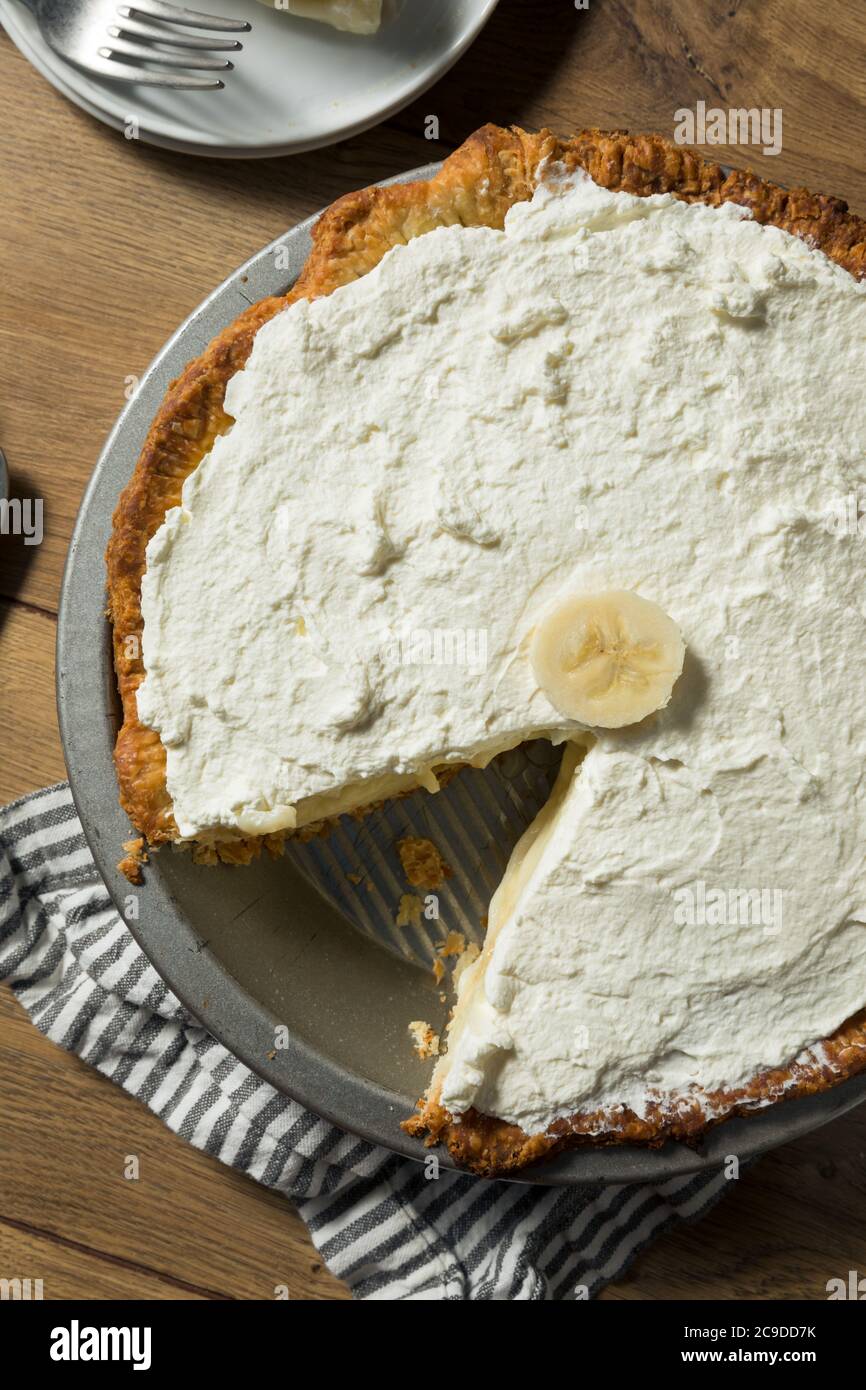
(133,30)
(170,60)
(149,77)
(158,9)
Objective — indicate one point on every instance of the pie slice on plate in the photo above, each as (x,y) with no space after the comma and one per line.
(561,443)
(353,16)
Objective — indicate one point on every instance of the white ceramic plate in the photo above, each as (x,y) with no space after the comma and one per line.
(296,86)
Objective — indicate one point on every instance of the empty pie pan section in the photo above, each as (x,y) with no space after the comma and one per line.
(252,950)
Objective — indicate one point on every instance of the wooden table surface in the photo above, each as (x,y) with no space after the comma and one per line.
(107,244)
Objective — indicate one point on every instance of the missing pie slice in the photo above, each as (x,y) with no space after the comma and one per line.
(595,378)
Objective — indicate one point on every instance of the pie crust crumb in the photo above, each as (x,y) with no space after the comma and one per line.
(422,863)
(426,1042)
(130,864)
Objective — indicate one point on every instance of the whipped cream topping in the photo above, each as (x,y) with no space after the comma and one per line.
(613,393)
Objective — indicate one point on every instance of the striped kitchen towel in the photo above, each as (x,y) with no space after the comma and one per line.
(378,1222)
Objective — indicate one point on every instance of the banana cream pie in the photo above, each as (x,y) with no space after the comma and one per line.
(583,416)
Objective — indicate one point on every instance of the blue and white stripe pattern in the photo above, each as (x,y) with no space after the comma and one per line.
(379,1223)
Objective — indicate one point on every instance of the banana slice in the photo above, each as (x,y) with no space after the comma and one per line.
(607,659)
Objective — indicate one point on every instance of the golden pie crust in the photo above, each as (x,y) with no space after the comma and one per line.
(491,1147)
(476,186)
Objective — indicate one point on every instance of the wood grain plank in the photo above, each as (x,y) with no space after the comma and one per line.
(32,756)
(631,64)
(68,1134)
(68,1271)
(106,245)
(791,1221)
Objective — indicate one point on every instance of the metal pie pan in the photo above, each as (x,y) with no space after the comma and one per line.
(251,950)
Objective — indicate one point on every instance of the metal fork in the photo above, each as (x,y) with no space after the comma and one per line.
(116,40)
